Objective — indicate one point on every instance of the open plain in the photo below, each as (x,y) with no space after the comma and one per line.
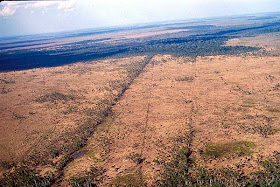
(228,101)
(177,104)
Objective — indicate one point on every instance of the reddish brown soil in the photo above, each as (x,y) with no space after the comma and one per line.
(223,99)
(28,123)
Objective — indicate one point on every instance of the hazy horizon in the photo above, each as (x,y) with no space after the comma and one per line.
(42,17)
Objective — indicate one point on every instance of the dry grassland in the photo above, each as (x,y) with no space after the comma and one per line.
(48,113)
(226,108)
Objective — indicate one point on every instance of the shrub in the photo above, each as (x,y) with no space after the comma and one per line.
(53,97)
(22,176)
(132,179)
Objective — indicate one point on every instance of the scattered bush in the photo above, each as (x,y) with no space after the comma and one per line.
(54,97)
(136,158)
(132,179)
(88,179)
(186,78)
(22,176)
(18,116)
(7,81)
(265,130)
(71,109)
(7,165)
(181,171)
(273,110)
(276,87)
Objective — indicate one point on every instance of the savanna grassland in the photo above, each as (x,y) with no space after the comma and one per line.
(189,104)
(223,110)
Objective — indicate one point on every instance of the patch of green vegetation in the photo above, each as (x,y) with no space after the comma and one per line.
(22,176)
(270,174)
(216,177)
(132,179)
(185,78)
(6,165)
(91,153)
(239,148)
(176,172)
(54,97)
(181,171)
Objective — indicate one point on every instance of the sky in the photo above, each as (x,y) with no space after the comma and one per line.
(35,17)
